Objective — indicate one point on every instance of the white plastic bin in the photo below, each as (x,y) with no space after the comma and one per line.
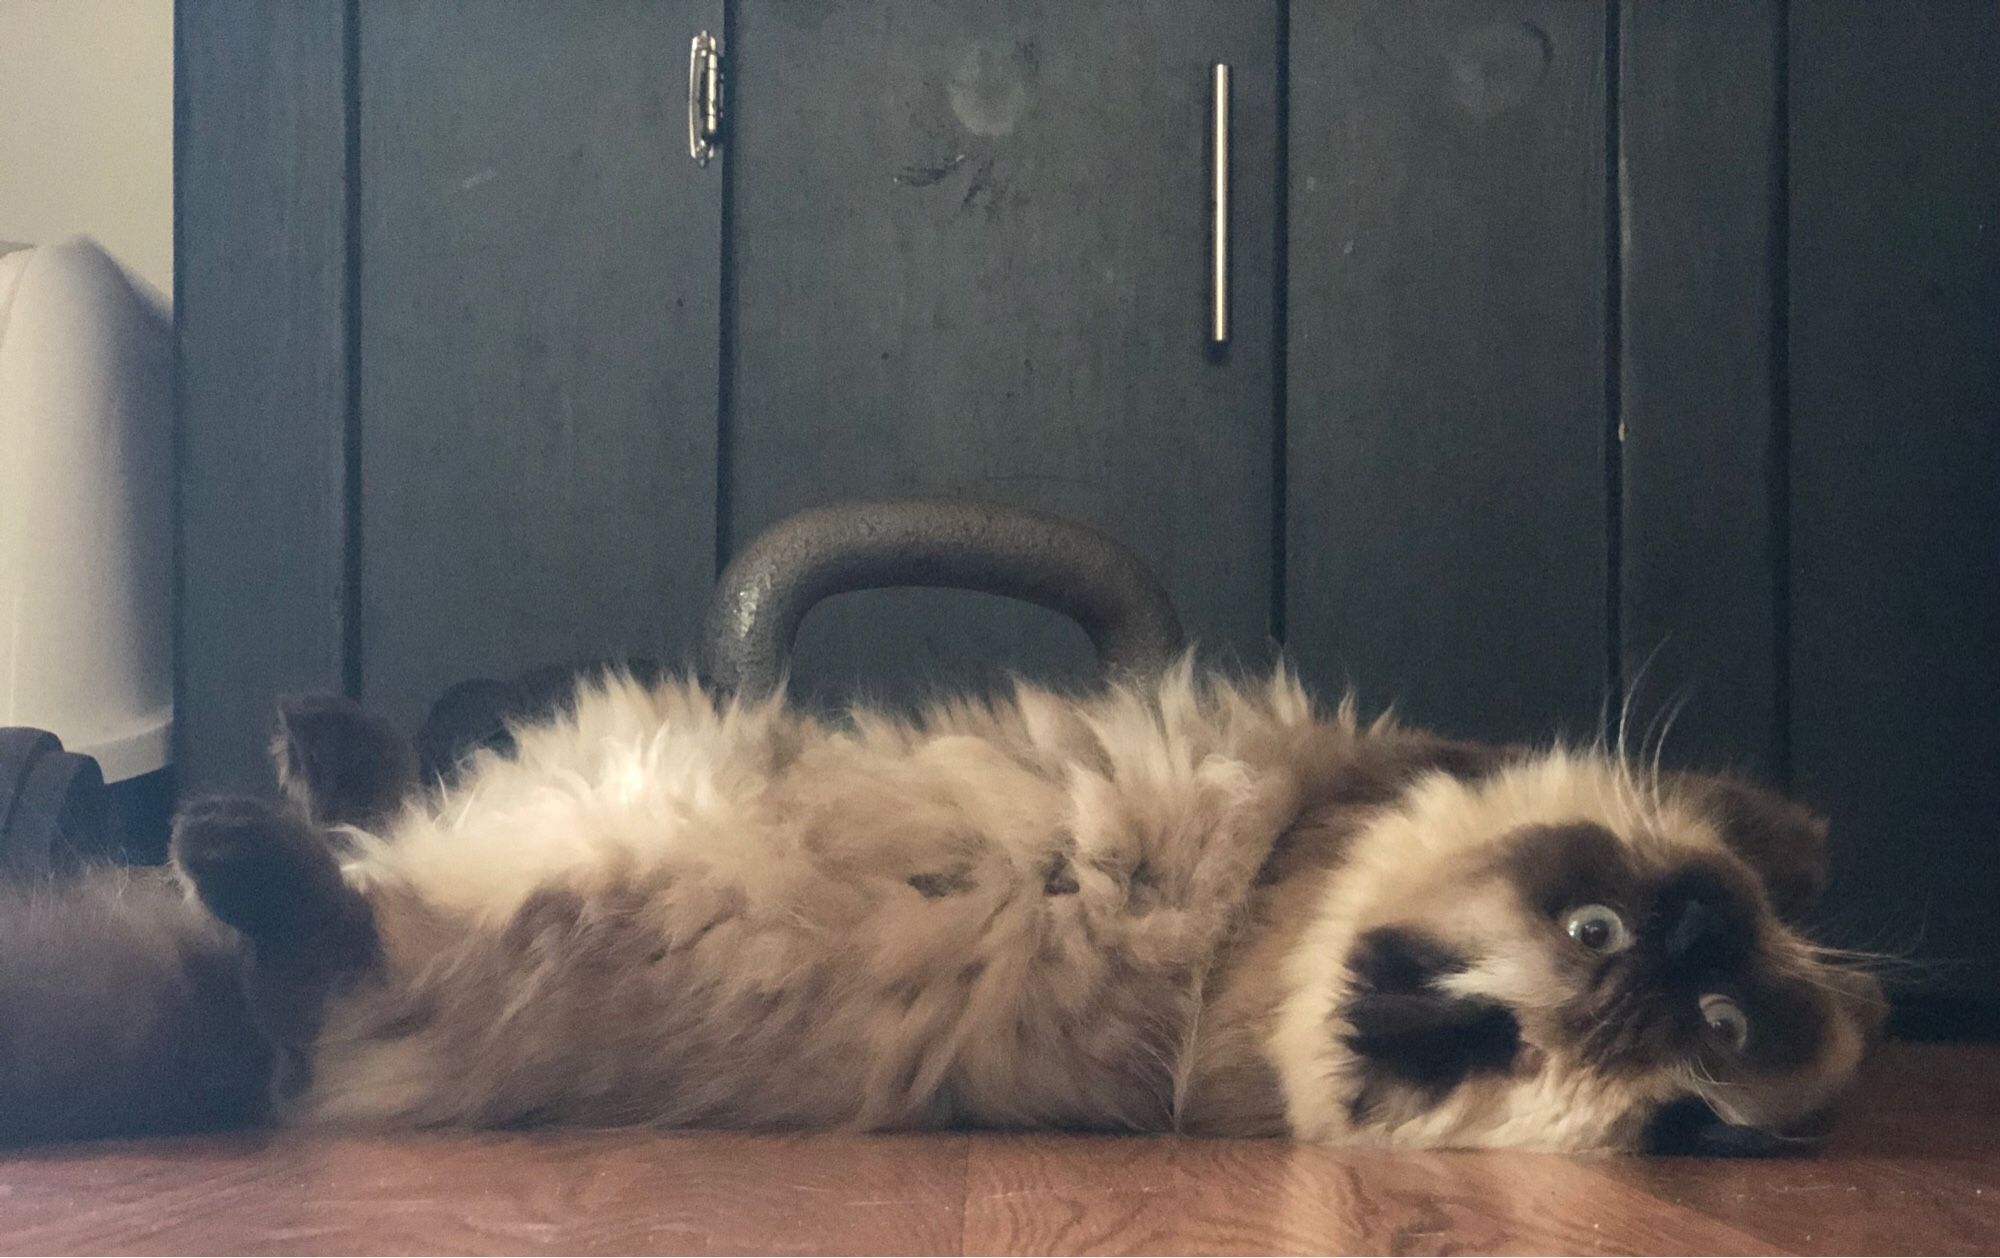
(86,547)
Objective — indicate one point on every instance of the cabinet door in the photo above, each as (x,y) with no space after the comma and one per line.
(1701,404)
(537,344)
(970,255)
(260,190)
(1446,419)
(1895,464)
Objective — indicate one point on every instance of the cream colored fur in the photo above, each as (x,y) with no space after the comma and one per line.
(1044,911)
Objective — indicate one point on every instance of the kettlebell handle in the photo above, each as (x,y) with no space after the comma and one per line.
(1057,564)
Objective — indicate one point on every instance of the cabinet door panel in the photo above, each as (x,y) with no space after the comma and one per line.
(1895,463)
(1446,497)
(261,185)
(539,296)
(1701,178)
(969,253)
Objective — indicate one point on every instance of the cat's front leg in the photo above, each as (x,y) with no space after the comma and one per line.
(1414,1040)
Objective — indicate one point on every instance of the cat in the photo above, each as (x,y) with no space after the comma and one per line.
(1193,904)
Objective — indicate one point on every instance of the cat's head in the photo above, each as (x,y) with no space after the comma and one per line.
(1567,953)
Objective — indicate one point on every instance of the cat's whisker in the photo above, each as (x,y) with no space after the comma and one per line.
(1666,725)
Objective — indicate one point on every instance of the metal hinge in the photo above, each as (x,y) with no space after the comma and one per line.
(704,98)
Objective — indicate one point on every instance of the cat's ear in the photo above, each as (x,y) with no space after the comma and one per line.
(1782,840)
(340,764)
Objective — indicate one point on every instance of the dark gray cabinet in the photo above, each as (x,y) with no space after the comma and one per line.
(1698,378)
(1894,468)
(970,255)
(262,309)
(1446,414)
(1578,349)
(536,306)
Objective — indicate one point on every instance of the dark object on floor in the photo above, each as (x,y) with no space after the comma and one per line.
(807,558)
(1692,1128)
(52,803)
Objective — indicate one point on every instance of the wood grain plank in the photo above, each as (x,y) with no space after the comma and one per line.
(1913,1167)
(539,340)
(1052,1195)
(970,247)
(601,1193)
(1700,181)
(260,185)
(1857,1206)
(1895,313)
(1446,406)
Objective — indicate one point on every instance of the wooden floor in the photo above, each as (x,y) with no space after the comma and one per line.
(1914,1168)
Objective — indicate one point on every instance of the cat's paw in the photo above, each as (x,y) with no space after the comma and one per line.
(340,764)
(273,878)
(1409,1032)
(267,875)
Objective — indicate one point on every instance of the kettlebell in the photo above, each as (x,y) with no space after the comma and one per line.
(765,593)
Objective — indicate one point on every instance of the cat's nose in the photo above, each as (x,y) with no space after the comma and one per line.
(1692,928)
(1702,931)
(1698,921)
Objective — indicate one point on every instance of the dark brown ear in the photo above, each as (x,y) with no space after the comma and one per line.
(339,764)
(1783,841)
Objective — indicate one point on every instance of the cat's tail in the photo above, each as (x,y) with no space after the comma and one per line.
(124,1010)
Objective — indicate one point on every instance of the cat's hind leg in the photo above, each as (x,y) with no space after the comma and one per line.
(275,880)
(339,764)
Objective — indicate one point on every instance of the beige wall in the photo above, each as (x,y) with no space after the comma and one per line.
(87,127)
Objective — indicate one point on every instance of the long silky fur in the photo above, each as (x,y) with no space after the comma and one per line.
(1137,910)
(666,909)
(123,1011)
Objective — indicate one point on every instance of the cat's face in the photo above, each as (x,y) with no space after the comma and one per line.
(1562,955)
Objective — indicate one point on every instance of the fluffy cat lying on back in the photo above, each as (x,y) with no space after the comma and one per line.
(1191,905)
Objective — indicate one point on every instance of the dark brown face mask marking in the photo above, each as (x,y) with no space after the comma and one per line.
(1783,841)
(1788,1026)
(1699,922)
(1556,868)
(1696,930)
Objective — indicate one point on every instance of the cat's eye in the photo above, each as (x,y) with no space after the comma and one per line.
(1726,1021)
(1597,928)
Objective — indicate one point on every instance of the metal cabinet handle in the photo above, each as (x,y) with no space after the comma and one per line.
(1218,257)
(704,98)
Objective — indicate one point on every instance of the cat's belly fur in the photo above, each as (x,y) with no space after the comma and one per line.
(660,913)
